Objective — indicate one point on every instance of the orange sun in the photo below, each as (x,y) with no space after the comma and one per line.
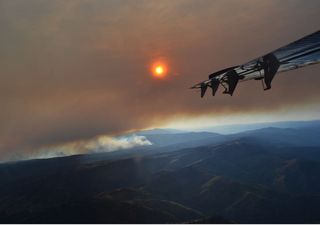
(159,70)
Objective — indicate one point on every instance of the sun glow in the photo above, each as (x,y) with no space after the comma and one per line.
(159,70)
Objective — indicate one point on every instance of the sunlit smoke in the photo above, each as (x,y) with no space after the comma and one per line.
(96,145)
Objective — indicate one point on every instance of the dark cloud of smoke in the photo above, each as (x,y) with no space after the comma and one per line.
(73,70)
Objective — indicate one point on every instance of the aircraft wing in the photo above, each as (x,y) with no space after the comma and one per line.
(303,52)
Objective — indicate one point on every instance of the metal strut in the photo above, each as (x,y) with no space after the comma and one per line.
(270,66)
(232,79)
(214,85)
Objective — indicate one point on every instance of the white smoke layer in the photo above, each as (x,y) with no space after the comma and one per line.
(96,145)
(107,144)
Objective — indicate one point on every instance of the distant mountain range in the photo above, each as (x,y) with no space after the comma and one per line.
(236,128)
(269,175)
(293,133)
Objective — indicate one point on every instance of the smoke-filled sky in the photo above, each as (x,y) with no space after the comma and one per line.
(73,70)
